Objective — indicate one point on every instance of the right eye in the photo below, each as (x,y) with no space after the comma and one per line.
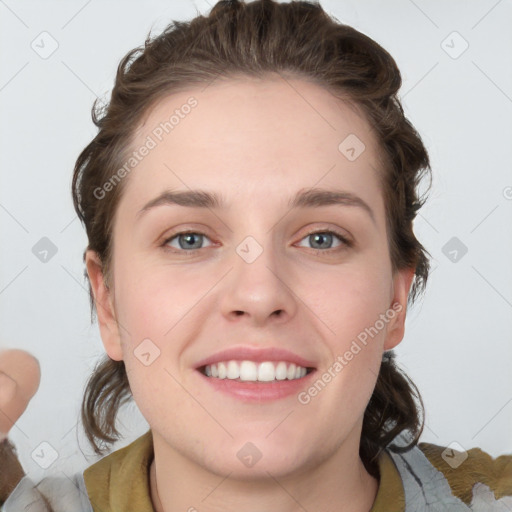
(188,241)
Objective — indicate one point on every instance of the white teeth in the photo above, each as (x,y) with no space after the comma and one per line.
(281,371)
(233,370)
(266,371)
(250,371)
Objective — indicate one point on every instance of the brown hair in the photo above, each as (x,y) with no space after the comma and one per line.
(254,39)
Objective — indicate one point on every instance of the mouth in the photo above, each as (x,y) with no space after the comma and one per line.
(256,375)
(252,371)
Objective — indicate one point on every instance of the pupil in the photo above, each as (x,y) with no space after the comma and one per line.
(189,240)
(320,236)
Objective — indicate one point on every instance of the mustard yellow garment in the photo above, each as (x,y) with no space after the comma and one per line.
(120,481)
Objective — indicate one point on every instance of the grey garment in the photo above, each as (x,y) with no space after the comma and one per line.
(426,489)
(52,494)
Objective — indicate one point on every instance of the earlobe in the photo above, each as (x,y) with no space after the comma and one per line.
(109,329)
(402,282)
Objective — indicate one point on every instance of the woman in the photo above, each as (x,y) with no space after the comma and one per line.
(249,202)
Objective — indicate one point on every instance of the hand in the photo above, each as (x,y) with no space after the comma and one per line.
(19,380)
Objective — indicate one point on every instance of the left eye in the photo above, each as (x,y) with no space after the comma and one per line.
(324,239)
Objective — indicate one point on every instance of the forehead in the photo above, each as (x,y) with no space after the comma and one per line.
(239,132)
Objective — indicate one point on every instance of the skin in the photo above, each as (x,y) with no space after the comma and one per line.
(256,142)
(20,376)
(19,380)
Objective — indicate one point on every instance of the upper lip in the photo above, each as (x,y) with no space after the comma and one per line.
(258,355)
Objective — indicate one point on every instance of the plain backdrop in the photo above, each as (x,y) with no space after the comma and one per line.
(456,62)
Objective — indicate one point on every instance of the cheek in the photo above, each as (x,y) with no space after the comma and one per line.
(347,300)
(150,301)
(349,304)
(158,307)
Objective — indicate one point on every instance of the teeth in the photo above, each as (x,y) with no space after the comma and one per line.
(250,371)
(233,370)
(291,372)
(281,371)
(266,371)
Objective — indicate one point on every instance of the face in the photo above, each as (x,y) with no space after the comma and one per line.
(308,283)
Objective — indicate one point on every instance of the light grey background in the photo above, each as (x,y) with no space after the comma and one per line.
(457,347)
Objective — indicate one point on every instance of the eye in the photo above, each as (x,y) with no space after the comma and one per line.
(192,241)
(188,241)
(323,240)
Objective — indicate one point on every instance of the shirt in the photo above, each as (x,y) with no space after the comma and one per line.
(427,478)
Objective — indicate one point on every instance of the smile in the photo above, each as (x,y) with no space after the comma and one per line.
(250,371)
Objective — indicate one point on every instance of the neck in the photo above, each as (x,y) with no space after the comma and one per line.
(339,484)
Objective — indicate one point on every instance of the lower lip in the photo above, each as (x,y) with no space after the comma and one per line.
(248,391)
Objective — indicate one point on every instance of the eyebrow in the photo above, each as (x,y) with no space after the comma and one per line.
(310,198)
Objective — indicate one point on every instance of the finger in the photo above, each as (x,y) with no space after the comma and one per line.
(19,380)
(8,389)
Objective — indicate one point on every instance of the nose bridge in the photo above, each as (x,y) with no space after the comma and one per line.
(257,284)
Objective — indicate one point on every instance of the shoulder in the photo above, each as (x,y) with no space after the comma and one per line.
(120,480)
(433,475)
(472,474)
(115,482)
(129,459)
(52,494)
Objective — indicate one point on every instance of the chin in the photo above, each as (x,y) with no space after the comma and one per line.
(254,460)
(262,470)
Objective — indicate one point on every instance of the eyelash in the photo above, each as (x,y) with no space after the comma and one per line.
(345,243)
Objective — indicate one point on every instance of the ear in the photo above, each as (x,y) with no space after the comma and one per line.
(103,300)
(401,285)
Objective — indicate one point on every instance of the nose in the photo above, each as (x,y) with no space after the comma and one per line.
(258,291)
